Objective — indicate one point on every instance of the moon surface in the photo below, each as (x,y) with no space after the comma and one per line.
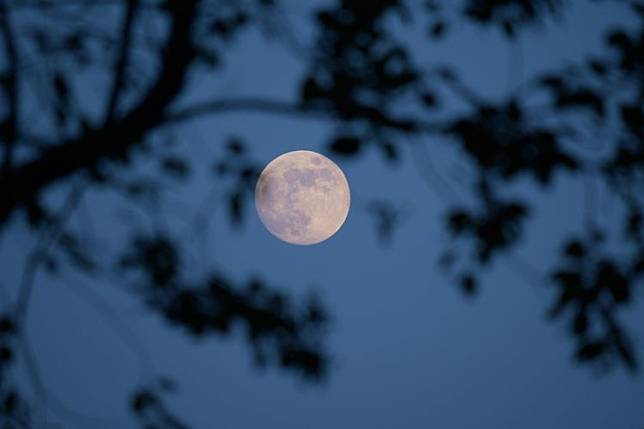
(302,197)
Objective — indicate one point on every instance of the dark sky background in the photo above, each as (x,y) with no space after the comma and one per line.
(409,349)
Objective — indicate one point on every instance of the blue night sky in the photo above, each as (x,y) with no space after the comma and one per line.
(409,349)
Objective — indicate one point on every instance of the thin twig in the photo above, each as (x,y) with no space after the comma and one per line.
(86,149)
(120,67)
(54,403)
(127,336)
(10,86)
(276,107)
(48,237)
(432,178)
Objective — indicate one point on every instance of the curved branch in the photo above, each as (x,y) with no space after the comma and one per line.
(249,104)
(35,258)
(116,138)
(285,108)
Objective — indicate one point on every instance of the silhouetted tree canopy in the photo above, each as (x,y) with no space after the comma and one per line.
(363,79)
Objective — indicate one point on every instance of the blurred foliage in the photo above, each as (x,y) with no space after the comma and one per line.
(277,330)
(360,75)
(150,409)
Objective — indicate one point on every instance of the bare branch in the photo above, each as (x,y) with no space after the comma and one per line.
(251,104)
(11,88)
(116,138)
(120,68)
(279,107)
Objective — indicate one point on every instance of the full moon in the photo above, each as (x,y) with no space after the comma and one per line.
(302,197)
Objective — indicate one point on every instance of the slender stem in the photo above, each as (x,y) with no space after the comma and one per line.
(10,86)
(120,68)
(34,259)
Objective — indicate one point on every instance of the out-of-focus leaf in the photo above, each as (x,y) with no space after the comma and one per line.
(438,29)
(468,284)
(236,206)
(345,145)
(175,166)
(591,350)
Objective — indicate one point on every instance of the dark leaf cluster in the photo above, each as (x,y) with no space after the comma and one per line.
(279,332)
(591,287)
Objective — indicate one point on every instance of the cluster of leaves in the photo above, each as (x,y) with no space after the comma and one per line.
(278,331)
(624,168)
(14,412)
(506,140)
(358,71)
(282,333)
(591,287)
(503,143)
(495,227)
(510,14)
(569,94)
(358,74)
(387,218)
(149,407)
(220,23)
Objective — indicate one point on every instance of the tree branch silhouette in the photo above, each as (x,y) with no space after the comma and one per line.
(364,81)
(288,108)
(115,139)
(9,126)
(120,68)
